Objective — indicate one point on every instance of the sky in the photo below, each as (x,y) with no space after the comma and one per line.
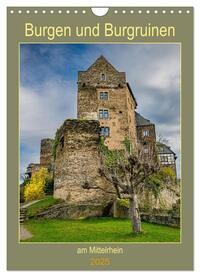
(48,88)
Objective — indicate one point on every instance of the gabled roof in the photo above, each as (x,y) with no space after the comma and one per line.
(141,121)
(163,148)
(103,59)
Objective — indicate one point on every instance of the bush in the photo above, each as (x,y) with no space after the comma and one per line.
(35,188)
(49,185)
(22,188)
(123,203)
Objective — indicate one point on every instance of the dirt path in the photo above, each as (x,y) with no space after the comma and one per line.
(30,203)
(24,233)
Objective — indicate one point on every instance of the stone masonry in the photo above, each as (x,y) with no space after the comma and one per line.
(119,104)
(46,156)
(106,107)
(76,177)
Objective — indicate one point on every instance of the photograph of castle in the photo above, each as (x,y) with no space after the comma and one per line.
(100,143)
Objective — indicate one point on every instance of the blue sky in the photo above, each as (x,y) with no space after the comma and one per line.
(48,88)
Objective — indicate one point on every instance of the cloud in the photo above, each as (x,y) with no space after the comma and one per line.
(42,111)
(48,87)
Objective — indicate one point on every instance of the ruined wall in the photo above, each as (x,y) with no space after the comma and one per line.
(46,154)
(77,178)
(120,103)
(32,168)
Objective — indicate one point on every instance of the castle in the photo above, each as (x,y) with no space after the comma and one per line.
(106,107)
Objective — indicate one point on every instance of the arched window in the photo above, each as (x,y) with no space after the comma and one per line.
(103,77)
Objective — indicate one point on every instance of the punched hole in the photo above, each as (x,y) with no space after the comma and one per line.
(99,11)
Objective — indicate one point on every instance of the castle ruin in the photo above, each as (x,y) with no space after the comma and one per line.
(106,107)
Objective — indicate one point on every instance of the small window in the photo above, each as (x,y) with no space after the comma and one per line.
(62,142)
(103,77)
(146,133)
(103,114)
(104,95)
(164,159)
(105,131)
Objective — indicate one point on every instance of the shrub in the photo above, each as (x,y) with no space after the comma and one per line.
(22,188)
(35,188)
(123,202)
(49,185)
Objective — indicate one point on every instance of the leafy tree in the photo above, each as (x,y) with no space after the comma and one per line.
(35,188)
(128,171)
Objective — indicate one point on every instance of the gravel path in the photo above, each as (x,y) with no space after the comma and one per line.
(24,233)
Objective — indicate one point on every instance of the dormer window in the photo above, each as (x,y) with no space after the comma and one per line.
(103,77)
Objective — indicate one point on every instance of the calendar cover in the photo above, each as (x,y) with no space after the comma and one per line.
(100,138)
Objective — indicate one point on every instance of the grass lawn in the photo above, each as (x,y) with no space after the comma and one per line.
(97,230)
(43,204)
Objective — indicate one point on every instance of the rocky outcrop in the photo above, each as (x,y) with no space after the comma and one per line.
(166,198)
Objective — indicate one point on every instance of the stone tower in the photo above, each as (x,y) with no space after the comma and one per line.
(46,156)
(77,176)
(104,95)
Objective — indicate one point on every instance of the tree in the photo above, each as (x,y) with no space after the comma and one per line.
(128,171)
(36,186)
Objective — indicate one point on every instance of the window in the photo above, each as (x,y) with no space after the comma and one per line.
(166,159)
(170,159)
(103,77)
(62,141)
(105,131)
(103,114)
(104,95)
(146,133)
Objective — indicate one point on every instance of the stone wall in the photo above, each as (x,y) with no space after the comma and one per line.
(32,168)
(158,216)
(77,177)
(163,219)
(74,210)
(92,76)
